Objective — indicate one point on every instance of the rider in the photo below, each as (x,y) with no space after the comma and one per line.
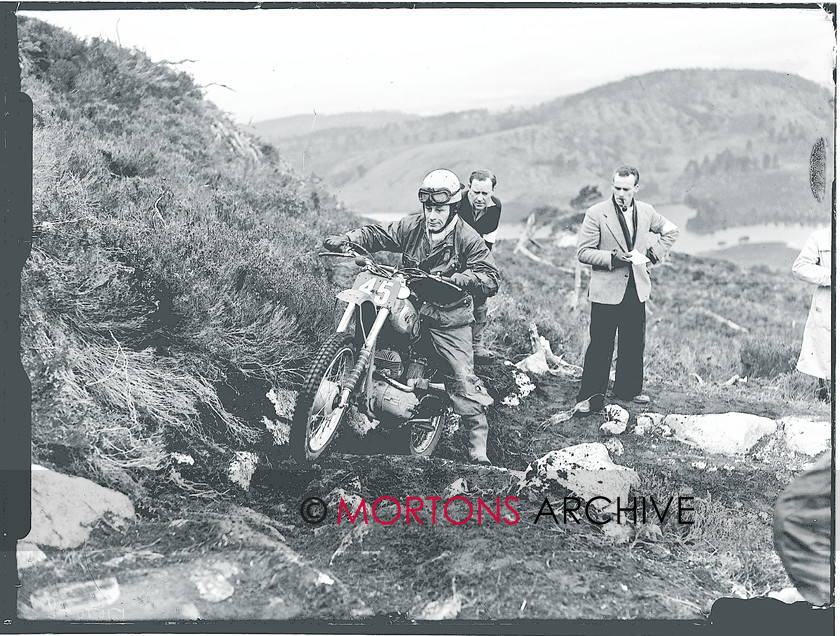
(439,242)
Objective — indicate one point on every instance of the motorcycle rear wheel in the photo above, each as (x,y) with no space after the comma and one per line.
(423,436)
(317,416)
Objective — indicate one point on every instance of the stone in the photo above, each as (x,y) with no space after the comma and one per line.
(805,436)
(457,487)
(65,508)
(647,422)
(535,363)
(29,554)
(617,419)
(724,433)
(524,386)
(614,446)
(617,532)
(87,600)
(212,582)
(586,470)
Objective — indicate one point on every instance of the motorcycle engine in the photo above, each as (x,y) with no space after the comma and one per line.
(388,362)
(388,402)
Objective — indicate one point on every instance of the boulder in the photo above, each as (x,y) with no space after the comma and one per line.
(724,433)
(586,470)
(806,436)
(65,508)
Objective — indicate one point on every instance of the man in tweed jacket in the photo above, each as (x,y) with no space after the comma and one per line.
(615,240)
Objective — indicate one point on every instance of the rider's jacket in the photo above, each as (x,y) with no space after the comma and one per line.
(462,250)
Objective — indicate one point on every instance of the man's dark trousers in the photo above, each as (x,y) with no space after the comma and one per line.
(628,317)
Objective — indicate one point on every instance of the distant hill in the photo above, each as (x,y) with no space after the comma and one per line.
(735,144)
(274,130)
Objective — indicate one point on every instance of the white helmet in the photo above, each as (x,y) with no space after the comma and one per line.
(440,187)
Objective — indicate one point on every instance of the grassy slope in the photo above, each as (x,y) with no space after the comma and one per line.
(173,276)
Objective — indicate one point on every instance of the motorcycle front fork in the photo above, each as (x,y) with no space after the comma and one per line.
(364,355)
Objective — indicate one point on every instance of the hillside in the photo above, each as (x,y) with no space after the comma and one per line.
(736,144)
(173,300)
(173,279)
(284,127)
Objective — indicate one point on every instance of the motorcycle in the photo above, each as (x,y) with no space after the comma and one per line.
(373,363)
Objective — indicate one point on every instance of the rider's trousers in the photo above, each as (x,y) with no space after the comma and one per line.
(453,346)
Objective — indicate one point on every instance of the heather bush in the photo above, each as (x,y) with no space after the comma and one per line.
(173,277)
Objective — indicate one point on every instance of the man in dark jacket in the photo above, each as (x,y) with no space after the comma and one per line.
(481,210)
(439,242)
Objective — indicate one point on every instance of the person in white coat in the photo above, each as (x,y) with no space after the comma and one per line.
(813,265)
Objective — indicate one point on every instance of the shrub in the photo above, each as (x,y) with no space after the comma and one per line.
(767,356)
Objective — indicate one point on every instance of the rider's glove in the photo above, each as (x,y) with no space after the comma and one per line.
(462,280)
(337,243)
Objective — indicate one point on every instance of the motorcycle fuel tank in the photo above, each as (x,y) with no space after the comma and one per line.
(405,319)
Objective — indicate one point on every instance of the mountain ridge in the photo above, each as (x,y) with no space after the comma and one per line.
(544,154)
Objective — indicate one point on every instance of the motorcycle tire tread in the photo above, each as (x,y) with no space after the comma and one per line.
(325,356)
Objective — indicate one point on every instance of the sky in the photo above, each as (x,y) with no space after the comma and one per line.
(264,64)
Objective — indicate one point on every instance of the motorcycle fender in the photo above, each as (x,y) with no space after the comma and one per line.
(353,296)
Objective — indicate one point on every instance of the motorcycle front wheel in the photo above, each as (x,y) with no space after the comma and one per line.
(317,412)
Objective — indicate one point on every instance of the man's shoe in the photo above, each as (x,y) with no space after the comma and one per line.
(641,399)
(582,409)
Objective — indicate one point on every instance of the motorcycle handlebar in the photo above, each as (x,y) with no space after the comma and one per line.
(341,254)
(363,261)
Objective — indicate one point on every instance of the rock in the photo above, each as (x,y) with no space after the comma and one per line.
(78,601)
(586,470)
(457,487)
(645,423)
(618,418)
(724,433)
(65,508)
(352,500)
(614,446)
(617,414)
(190,612)
(534,363)
(614,428)
(524,386)
(617,532)
(805,436)
(212,582)
(444,609)
(29,554)
(181,458)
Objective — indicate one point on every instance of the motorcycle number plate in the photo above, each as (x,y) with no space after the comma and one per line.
(381,291)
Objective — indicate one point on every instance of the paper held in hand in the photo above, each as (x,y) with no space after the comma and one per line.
(637,258)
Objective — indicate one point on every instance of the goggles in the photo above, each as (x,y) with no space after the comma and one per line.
(437,196)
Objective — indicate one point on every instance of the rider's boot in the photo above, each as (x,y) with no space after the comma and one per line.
(477,425)
(479,350)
